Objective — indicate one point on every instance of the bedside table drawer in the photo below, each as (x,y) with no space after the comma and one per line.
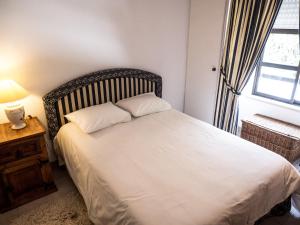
(27,149)
(9,153)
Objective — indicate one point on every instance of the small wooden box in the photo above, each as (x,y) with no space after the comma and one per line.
(25,172)
(278,136)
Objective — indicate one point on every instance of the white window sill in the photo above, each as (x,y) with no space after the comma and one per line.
(272,102)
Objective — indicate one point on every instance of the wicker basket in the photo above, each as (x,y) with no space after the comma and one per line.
(275,135)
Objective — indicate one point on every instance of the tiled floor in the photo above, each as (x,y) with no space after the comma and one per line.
(65,185)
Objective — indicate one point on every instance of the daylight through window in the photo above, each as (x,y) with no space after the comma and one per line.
(277,73)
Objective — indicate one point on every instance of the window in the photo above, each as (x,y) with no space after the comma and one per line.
(277,73)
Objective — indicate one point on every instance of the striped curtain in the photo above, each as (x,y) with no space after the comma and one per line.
(248,25)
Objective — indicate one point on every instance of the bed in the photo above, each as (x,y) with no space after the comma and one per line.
(162,168)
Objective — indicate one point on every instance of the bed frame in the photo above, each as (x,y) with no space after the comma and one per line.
(97,88)
(109,85)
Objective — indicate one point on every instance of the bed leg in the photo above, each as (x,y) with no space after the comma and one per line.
(282,208)
(278,210)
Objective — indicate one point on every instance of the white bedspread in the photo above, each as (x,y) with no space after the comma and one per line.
(170,169)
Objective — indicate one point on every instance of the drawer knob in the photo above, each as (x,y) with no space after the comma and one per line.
(19,154)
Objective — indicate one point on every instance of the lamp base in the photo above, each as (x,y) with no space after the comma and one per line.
(18,127)
(15,115)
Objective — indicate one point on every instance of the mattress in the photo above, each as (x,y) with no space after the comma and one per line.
(169,168)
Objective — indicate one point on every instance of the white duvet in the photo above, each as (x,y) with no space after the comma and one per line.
(170,169)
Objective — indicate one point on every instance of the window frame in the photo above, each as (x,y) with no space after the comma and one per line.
(260,64)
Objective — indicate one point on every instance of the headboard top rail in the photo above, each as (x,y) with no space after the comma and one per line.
(97,88)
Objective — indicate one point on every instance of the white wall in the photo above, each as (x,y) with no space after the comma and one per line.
(205,35)
(46,43)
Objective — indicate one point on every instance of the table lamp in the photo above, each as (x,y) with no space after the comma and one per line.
(10,92)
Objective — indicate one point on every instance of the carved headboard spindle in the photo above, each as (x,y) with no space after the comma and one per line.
(97,88)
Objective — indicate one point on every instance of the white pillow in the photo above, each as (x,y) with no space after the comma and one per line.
(97,117)
(144,104)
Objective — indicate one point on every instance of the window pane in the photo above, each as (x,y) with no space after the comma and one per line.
(288,16)
(249,86)
(282,49)
(276,82)
(297,94)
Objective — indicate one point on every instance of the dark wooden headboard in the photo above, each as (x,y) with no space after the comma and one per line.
(97,88)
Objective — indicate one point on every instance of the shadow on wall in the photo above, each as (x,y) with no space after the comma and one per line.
(44,44)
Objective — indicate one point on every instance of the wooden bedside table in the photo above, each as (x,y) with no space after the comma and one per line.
(25,172)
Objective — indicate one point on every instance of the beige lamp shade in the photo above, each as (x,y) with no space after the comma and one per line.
(10,91)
